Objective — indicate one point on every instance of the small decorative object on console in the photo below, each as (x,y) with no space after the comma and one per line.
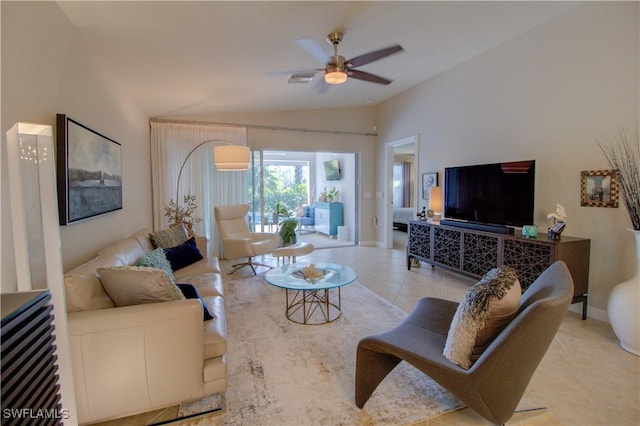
(554,232)
(559,222)
(530,231)
(423,214)
(559,215)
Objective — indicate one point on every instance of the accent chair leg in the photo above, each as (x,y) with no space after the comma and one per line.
(249,263)
(371,369)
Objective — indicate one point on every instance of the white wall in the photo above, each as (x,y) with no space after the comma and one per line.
(47,70)
(548,96)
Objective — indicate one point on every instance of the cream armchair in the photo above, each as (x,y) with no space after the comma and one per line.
(238,241)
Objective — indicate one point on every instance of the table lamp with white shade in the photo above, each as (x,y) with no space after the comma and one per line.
(435,203)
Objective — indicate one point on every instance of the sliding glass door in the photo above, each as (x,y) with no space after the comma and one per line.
(290,184)
(279,188)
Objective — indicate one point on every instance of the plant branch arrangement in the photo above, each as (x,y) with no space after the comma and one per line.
(281,210)
(287,231)
(330,196)
(183,214)
(624,156)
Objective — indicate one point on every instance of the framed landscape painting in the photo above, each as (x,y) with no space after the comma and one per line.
(89,172)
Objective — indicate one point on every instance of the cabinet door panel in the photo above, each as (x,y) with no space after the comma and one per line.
(528,258)
(322,221)
(480,253)
(420,240)
(446,247)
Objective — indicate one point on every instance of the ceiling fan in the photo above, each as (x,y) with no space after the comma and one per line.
(337,69)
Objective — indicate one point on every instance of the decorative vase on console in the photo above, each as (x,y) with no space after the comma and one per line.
(624,300)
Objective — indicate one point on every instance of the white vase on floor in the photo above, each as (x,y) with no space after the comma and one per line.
(623,306)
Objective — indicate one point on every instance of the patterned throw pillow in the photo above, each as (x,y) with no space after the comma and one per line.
(171,237)
(135,285)
(157,259)
(484,312)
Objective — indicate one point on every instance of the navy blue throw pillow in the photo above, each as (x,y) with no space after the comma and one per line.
(183,255)
(190,292)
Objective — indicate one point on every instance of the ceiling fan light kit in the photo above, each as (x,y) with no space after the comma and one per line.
(335,76)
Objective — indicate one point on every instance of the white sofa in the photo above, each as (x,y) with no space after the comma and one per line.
(133,359)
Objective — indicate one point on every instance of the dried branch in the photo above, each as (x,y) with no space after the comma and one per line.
(183,215)
(624,156)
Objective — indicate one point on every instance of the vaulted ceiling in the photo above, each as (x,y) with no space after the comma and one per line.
(184,58)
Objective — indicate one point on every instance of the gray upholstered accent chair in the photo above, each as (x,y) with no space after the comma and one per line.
(238,241)
(495,383)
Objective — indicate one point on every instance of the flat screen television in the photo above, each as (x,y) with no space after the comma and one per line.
(332,170)
(495,194)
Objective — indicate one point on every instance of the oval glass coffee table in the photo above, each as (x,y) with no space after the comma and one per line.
(310,302)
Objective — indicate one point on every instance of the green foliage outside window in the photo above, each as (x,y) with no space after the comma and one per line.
(284,186)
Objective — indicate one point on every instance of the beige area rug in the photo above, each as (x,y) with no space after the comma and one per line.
(283,373)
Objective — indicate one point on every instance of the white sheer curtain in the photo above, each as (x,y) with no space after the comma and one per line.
(170,145)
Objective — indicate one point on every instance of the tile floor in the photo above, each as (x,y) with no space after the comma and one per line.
(584,379)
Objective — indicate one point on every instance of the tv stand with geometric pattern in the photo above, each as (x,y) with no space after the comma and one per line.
(473,253)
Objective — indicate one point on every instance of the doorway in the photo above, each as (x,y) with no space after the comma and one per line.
(402,186)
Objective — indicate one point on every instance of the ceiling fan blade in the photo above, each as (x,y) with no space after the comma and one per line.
(311,70)
(313,49)
(366,76)
(321,86)
(374,56)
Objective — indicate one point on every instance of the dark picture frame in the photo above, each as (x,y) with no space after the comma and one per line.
(599,188)
(89,172)
(428,180)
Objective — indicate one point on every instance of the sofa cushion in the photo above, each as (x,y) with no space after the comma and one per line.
(143,238)
(485,310)
(134,285)
(157,259)
(171,237)
(183,255)
(124,252)
(207,284)
(206,265)
(215,331)
(190,292)
(83,289)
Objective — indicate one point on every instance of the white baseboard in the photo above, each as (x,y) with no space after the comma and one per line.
(594,313)
(369,243)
